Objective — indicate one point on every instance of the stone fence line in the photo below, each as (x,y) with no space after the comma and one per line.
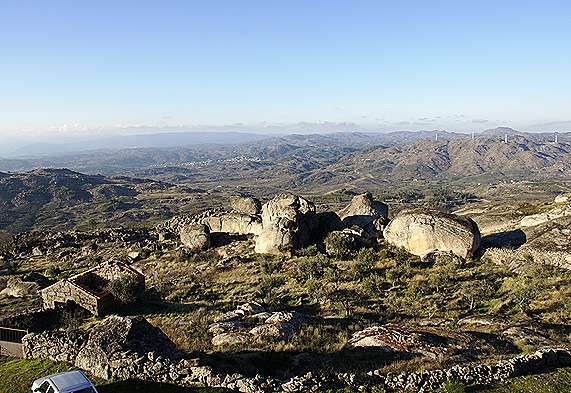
(68,346)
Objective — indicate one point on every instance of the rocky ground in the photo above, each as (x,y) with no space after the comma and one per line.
(283,289)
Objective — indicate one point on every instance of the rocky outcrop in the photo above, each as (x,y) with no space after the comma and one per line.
(243,324)
(422,232)
(195,237)
(25,285)
(563,198)
(246,206)
(426,342)
(288,222)
(153,366)
(234,223)
(109,346)
(541,218)
(366,213)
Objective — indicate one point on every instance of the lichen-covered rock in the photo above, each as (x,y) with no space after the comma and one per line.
(294,318)
(251,308)
(225,327)
(59,346)
(427,342)
(247,206)
(195,237)
(526,336)
(229,339)
(114,337)
(363,211)
(275,331)
(234,223)
(422,232)
(288,223)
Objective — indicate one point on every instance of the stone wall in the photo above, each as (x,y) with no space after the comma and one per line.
(150,366)
(64,291)
(518,257)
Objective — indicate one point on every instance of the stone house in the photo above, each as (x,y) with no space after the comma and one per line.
(89,289)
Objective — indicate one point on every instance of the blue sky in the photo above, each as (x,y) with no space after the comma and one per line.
(120,65)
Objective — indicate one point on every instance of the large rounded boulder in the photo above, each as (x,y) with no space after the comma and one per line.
(288,223)
(422,232)
(195,237)
(248,206)
(366,213)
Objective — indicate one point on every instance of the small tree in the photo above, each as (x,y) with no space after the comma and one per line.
(6,243)
(125,288)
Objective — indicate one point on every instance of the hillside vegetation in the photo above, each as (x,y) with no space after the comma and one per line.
(334,292)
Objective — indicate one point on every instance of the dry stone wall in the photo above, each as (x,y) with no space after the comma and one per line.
(127,361)
(64,291)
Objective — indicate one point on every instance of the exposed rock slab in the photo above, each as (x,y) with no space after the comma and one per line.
(422,232)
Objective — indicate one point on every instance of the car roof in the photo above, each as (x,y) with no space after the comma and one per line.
(68,381)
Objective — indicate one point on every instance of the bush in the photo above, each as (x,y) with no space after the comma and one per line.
(125,288)
(6,242)
(312,267)
(339,245)
(374,286)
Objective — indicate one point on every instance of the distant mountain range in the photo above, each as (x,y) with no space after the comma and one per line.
(304,164)
(138,154)
(159,140)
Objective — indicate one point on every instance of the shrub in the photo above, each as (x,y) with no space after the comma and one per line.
(339,245)
(125,288)
(52,271)
(312,267)
(6,242)
(365,261)
(373,286)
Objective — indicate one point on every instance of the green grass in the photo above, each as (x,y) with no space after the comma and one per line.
(557,381)
(17,375)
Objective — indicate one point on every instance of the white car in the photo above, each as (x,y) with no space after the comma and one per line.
(68,382)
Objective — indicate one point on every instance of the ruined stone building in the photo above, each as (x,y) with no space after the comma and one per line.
(89,289)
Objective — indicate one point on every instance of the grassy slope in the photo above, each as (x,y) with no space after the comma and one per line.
(17,375)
